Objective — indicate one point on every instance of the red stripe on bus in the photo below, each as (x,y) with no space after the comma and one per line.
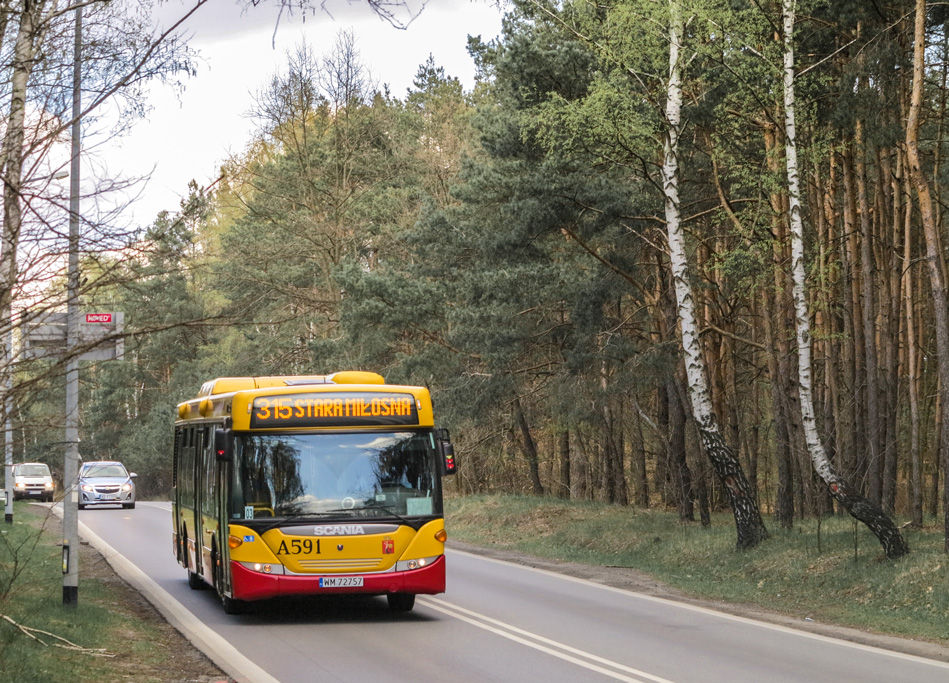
(249,585)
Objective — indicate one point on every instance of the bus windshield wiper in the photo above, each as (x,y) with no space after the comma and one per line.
(386,508)
(294,518)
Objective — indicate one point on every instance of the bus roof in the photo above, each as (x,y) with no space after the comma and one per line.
(351,398)
(227,385)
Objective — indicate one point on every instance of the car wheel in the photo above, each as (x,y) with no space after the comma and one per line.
(81,506)
(129,506)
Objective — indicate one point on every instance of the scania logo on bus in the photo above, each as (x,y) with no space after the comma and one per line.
(339,530)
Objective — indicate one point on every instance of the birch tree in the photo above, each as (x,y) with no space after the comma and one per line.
(749,525)
(862,509)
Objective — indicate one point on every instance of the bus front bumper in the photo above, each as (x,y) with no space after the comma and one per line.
(249,585)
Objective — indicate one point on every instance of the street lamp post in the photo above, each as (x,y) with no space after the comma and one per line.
(71,469)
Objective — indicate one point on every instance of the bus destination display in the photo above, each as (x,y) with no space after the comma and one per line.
(335,409)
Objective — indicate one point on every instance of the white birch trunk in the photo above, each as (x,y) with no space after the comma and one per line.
(859,507)
(748,522)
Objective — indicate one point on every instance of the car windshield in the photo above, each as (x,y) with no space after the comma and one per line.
(31,471)
(340,475)
(104,470)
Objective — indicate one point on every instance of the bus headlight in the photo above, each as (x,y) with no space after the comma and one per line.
(263,567)
(409,565)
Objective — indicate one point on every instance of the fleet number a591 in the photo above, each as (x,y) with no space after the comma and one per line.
(298,546)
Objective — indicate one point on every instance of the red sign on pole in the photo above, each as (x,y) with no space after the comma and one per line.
(98,317)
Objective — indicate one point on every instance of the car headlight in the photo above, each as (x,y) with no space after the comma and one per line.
(87,487)
(49,485)
(19,485)
(126,487)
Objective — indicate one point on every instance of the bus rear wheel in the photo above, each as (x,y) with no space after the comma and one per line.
(401,602)
(195,582)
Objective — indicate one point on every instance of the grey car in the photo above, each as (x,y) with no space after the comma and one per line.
(106,482)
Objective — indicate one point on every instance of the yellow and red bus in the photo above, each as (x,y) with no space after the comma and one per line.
(310,485)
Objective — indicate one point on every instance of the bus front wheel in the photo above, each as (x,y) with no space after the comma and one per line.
(230,605)
(401,602)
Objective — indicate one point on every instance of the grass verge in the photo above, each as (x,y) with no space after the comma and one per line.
(120,635)
(831,571)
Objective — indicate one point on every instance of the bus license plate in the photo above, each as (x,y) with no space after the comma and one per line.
(340,582)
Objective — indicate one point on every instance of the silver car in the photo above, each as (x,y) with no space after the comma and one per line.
(106,482)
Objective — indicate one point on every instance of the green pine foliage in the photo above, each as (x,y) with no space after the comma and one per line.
(505,247)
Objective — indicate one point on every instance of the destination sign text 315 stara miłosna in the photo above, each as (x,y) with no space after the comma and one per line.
(350,409)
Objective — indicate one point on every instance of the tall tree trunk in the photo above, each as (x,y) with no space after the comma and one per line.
(640,472)
(529,447)
(678,462)
(776,317)
(563,486)
(916,475)
(889,339)
(750,528)
(854,464)
(868,309)
(784,496)
(894,545)
(828,326)
(934,258)
(580,468)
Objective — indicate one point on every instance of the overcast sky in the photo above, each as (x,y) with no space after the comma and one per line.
(188,137)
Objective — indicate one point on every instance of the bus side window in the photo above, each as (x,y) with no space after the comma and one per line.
(210,473)
(176,452)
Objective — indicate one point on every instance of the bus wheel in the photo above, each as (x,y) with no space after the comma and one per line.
(195,582)
(230,605)
(401,602)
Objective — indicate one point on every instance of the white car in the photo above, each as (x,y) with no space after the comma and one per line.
(32,480)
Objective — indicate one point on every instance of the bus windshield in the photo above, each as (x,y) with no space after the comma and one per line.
(345,475)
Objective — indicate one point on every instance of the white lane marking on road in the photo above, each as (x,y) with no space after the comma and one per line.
(552,647)
(722,615)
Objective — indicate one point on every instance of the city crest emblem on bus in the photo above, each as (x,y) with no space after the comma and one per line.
(388,546)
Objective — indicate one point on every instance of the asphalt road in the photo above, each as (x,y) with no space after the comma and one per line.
(497,622)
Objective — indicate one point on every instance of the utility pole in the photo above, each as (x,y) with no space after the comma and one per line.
(8,424)
(71,469)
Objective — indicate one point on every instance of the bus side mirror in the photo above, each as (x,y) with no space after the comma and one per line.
(446,452)
(223,444)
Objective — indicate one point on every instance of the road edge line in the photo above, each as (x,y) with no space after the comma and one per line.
(216,648)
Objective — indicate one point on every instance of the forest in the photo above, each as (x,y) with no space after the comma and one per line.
(513,248)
